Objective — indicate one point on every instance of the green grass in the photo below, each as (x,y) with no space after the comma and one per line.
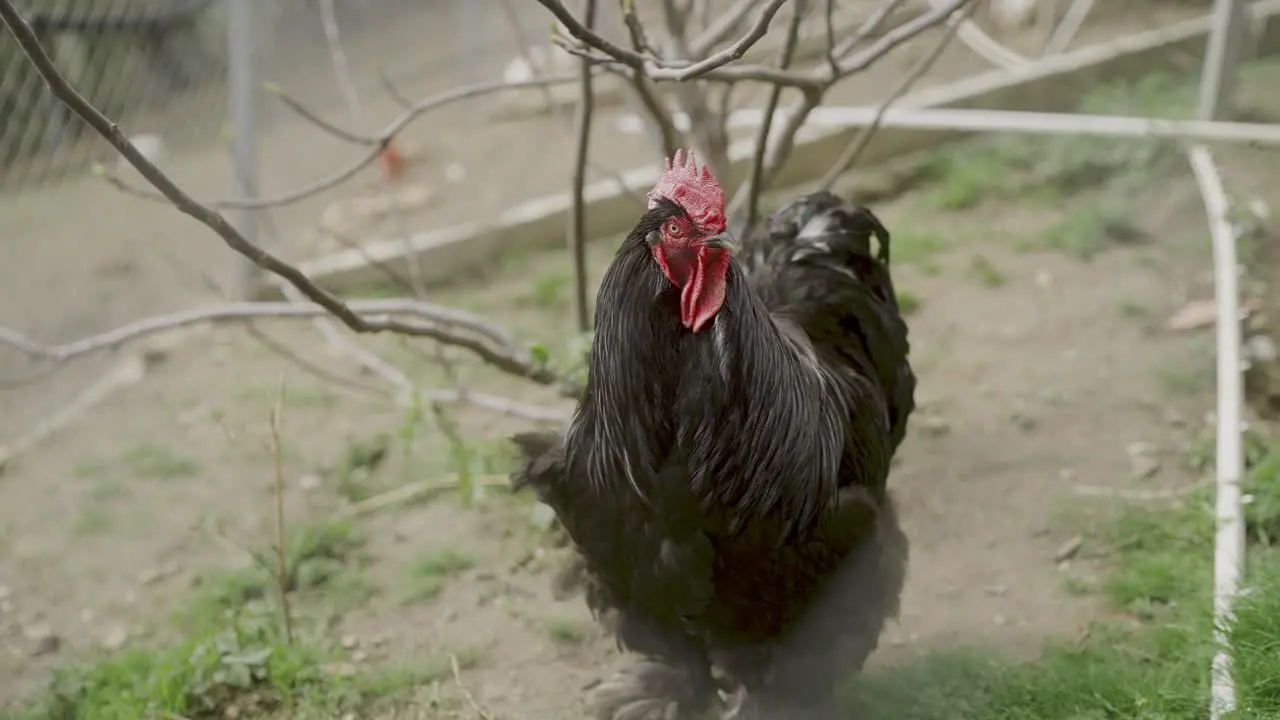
(427,575)
(1046,169)
(1152,662)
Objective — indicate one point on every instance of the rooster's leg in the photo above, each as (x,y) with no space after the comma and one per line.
(672,682)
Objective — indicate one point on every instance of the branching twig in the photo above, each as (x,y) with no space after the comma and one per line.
(457,679)
(755,183)
(813,80)
(516,363)
(726,23)
(281,576)
(577,231)
(377,143)
(446,325)
(653,68)
(854,149)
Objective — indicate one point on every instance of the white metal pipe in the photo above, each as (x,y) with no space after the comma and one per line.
(1004,121)
(1068,27)
(1229,538)
(981,43)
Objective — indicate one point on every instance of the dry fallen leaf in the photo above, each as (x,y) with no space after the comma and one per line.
(1202,313)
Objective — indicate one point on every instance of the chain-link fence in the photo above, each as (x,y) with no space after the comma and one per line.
(159,67)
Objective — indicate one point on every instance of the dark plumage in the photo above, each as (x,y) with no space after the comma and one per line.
(724,477)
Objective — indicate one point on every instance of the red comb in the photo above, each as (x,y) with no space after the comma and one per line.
(693,189)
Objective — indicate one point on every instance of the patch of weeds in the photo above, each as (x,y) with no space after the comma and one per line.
(1180,380)
(566,632)
(242,667)
(1262,511)
(985,272)
(551,290)
(1085,231)
(1151,665)
(965,175)
(1045,169)
(1134,309)
(155,462)
(917,246)
(94,520)
(426,575)
(322,562)
(360,460)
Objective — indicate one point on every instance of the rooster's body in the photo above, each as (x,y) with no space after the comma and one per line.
(724,476)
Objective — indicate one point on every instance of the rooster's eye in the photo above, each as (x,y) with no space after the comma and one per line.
(673,228)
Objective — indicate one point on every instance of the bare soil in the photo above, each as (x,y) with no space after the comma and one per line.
(1042,375)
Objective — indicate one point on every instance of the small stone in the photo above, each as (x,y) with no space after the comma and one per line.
(349,641)
(1000,620)
(998,590)
(1142,461)
(309,482)
(1069,549)
(359,656)
(44,640)
(115,637)
(935,425)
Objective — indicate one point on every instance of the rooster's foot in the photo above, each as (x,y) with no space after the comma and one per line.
(649,691)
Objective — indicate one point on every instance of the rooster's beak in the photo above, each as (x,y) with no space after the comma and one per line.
(721,241)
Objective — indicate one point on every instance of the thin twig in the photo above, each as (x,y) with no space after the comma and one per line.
(457,678)
(870,26)
(708,131)
(446,325)
(413,492)
(812,80)
(107,129)
(128,371)
(725,23)
(755,183)
(577,231)
(549,100)
(638,61)
(849,156)
(377,143)
(286,616)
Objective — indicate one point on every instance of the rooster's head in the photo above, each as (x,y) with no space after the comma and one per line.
(688,238)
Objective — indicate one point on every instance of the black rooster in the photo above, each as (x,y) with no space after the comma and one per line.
(723,478)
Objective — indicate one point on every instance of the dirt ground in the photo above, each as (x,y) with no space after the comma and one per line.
(1042,375)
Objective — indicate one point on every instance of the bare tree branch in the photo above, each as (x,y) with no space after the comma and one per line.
(377,143)
(854,149)
(710,136)
(665,70)
(813,80)
(447,325)
(721,28)
(755,183)
(577,231)
(516,362)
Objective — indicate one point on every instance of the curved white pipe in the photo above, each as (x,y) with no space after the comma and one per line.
(980,42)
(1229,538)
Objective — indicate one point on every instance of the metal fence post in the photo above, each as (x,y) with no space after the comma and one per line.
(242,93)
(1222,60)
